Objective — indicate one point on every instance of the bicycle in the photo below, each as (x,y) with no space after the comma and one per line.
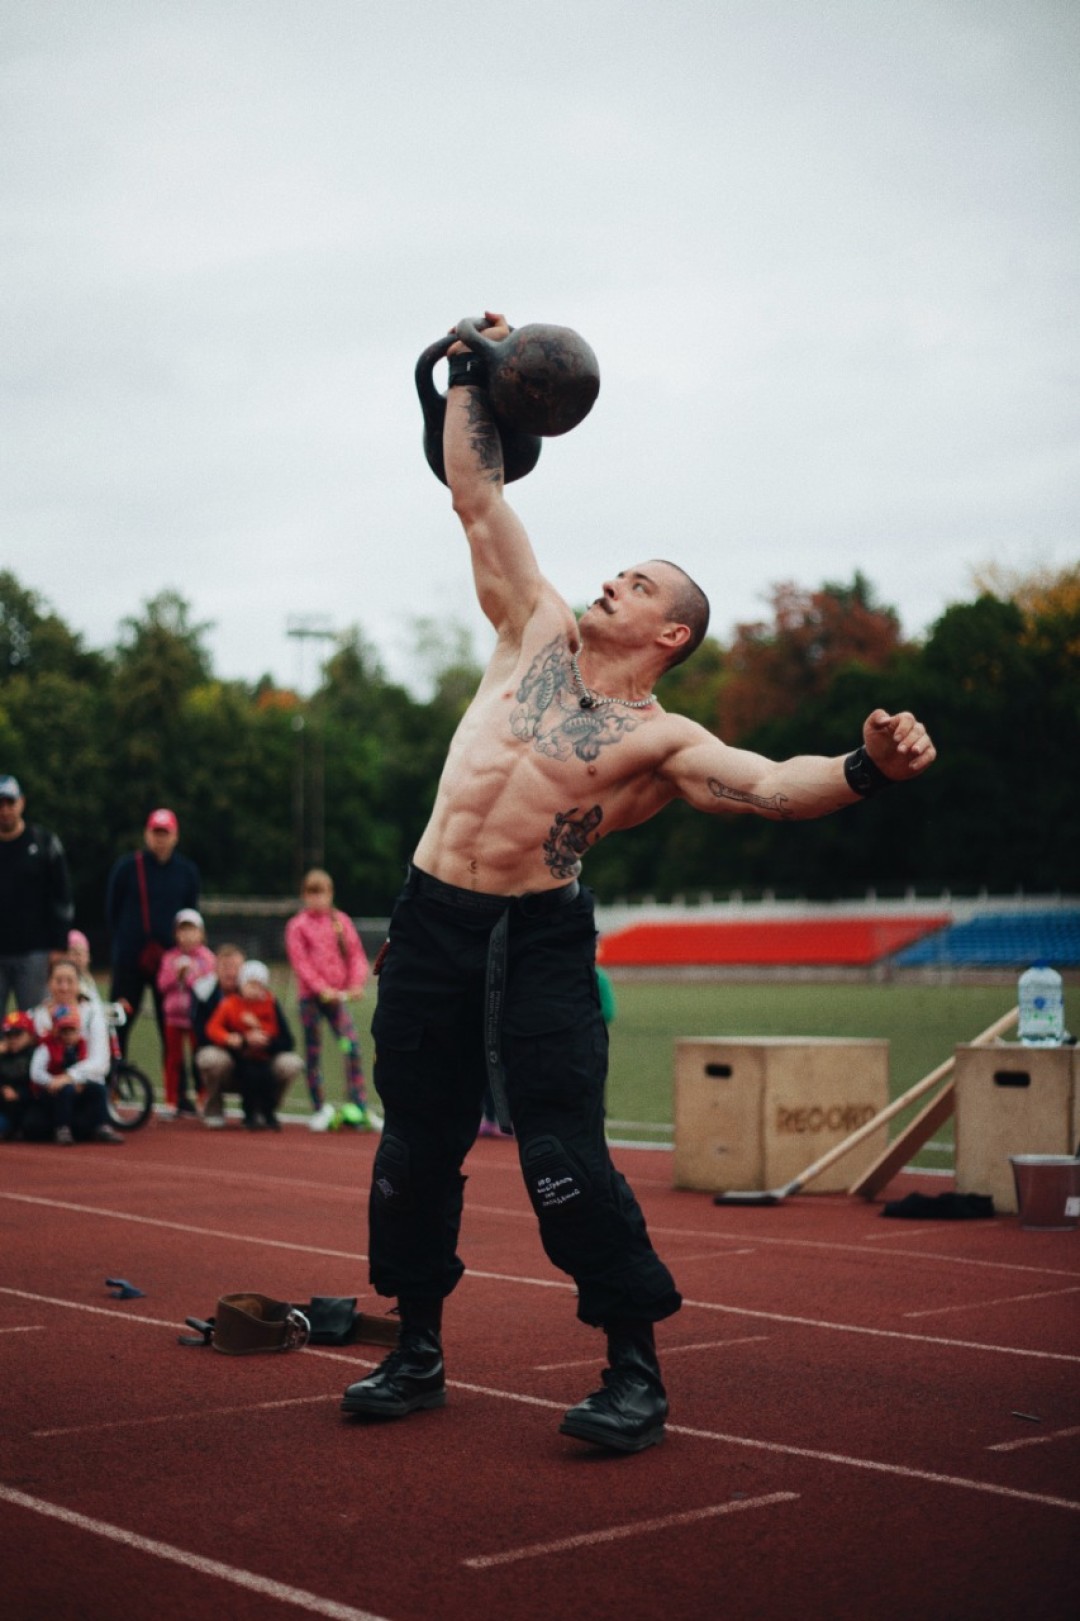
(128,1093)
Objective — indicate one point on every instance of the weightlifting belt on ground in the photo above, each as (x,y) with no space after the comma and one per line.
(245,1324)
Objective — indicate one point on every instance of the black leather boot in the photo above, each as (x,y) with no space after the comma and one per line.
(412,1376)
(628,1414)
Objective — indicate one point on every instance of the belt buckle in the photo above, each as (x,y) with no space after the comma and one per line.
(297,1331)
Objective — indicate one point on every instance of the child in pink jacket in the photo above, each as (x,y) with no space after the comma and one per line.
(181,966)
(330,965)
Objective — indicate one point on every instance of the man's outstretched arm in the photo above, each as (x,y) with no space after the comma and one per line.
(507,576)
(712,776)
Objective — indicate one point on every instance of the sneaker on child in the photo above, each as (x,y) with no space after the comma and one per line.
(323,1117)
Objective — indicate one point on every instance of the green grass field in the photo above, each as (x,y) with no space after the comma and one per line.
(922,1023)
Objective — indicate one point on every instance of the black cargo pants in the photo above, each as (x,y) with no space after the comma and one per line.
(430,1073)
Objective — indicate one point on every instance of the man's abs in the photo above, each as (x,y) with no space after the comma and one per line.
(528,790)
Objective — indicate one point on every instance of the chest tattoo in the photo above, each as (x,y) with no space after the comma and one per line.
(549,716)
(568,839)
(774,802)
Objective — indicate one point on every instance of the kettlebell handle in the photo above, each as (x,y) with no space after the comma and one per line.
(425,366)
(470,332)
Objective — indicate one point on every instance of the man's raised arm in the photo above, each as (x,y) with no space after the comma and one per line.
(508,579)
(712,776)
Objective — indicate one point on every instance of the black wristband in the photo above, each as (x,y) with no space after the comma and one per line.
(466,368)
(863,776)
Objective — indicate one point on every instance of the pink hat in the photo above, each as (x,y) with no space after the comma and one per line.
(162,821)
(77,938)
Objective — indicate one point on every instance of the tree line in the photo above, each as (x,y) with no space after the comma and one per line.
(266,782)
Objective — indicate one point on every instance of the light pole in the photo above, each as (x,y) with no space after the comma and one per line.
(304,628)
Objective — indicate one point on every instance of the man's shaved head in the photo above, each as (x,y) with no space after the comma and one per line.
(688,606)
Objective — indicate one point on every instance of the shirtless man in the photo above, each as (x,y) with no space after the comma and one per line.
(489,970)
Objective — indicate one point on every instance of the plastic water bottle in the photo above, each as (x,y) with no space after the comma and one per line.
(1042,1007)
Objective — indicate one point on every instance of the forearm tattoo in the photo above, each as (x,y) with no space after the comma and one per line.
(484,441)
(775,803)
(568,840)
(549,716)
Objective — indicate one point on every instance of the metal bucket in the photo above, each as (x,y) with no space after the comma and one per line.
(1047,1190)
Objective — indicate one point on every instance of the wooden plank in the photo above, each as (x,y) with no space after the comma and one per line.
(910,1140)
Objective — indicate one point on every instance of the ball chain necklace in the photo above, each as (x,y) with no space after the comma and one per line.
(593,700)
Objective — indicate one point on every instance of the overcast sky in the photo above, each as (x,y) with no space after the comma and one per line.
(826,251)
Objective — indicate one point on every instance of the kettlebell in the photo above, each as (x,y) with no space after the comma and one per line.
(540,379)
(521,451)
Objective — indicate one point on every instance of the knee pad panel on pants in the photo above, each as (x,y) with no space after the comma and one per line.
(391,1178)
(556,1183)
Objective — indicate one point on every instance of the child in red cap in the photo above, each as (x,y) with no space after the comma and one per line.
(18,1038)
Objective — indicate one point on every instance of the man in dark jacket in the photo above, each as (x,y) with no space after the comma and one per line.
(36,909)
(145,891)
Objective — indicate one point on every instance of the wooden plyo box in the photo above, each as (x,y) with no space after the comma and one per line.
(1012,1100)
(753,1112)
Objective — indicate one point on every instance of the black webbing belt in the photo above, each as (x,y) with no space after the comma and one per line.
(498,908)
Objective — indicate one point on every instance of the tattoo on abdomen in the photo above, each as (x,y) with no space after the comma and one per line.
(549,715)
(484,436)
(568,840)
(721,790)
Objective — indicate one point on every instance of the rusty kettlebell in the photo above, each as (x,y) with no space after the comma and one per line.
(540,379)
(521,451)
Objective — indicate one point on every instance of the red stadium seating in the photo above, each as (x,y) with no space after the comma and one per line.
(792,942)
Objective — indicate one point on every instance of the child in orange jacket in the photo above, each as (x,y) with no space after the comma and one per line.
(246,1023)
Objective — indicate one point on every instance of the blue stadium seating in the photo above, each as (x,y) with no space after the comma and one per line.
(1001,940)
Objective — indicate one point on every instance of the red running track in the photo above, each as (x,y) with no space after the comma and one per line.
(869,1417)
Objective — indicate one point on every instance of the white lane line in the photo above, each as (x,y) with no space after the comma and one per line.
(990,1488)
(525,1213)
(257,1178)
(183,1227)
(641,1125)
(1002,1300)
(911,1232)
(365,1353)
(80,1305)
(885,1333)
(556,1283)
(1035,1440)
(735,1235)
(873,1465)
(615,1533)
(810,1322)
(177,1418)
(706,1255)
(637,1142)
(311,1603)
(676,1429)
(669,1351)
(31,1328)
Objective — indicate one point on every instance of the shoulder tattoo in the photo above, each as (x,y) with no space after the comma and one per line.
(775,803)
(568,839)
(549,716)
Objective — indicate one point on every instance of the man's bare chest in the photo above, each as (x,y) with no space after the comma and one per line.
(546,713)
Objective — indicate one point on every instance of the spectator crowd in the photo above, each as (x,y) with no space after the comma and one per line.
(222,1028)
